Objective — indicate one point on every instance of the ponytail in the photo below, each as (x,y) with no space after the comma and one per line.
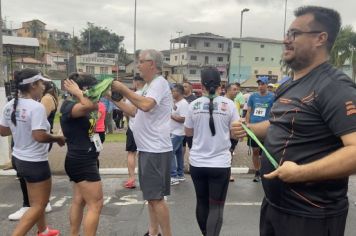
(211,109)
(16,100)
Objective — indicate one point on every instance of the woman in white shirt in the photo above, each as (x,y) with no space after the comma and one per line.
(209,120)
(25,119)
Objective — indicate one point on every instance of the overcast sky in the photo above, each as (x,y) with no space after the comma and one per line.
(159,20)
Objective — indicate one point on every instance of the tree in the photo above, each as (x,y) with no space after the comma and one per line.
(101,39)
(344,48)
(36,29)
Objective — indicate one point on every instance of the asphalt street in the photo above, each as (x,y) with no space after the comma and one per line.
(125,214)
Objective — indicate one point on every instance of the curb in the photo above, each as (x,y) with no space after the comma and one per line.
(123,171)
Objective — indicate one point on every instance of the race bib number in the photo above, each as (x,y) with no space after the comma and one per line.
(97,142)
(260,111)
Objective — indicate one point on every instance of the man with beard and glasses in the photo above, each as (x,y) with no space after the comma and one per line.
(311,133)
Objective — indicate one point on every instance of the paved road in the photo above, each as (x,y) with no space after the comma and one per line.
(125,213)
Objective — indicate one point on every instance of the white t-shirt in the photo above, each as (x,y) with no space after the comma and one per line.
(208,150)
(152,129)
(180,109)
(132,118)
(30,115)
(246,97)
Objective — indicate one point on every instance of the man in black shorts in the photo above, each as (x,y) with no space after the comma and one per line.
(131,147)
(311,134)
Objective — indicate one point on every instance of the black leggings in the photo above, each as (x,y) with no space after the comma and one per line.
(211,186)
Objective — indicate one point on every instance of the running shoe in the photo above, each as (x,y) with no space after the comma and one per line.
(50,232)
(130,184)
(174,181)
(18,214)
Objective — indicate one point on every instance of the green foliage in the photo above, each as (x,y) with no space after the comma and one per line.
(101,39)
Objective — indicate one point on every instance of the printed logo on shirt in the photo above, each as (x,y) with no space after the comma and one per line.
(206,106)
(224,106)
(350,108)
(196,106)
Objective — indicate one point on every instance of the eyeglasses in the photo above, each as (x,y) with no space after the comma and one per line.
(291,34)
(143,61)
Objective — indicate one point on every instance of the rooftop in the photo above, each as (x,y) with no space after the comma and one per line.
(20,41)
(205,35)
(259,40)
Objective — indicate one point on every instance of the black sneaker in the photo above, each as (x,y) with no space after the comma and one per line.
(256,179)
(148,234)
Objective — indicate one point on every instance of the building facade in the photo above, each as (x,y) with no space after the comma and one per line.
(58,35)
(190,54)
(95,63)
(259,57)
(34,29)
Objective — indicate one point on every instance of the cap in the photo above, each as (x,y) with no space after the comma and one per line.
(34,79)
(263,79)
(270,85)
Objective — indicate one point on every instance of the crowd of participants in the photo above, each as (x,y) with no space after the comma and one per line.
(304,195)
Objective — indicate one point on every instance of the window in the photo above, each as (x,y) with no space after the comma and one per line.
(206,60)
(257,58)
(193,72)
(90,69)
(272,59)
(175,58)
(103,70)
(182,57)
(220,59)
(256,72)
(206,44)
(236,45)
(262,59)
(221,45)
(193,57)
(270,72)
(262,45)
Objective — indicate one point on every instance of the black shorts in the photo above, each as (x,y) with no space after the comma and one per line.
(188,140)
(274,222)
(82,167)
(130,141)
(31,171)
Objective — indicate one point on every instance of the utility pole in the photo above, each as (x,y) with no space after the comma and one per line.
(135,58)
(2,75)
(285,18)
(4,141)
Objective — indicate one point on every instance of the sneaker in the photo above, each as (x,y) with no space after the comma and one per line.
(18,214)
(50,232)
(181,178)
(256,179)
(148,234)
(48,208)
(130,184)
(174,181)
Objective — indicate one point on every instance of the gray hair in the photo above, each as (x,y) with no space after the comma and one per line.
(154,55)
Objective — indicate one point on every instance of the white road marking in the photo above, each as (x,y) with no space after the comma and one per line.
(61,201)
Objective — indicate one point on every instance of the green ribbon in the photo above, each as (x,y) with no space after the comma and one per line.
(253,136)
(96,92)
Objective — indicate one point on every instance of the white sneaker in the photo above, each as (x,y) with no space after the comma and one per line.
(174,181)
(18,214)
(181,178)
(48,208)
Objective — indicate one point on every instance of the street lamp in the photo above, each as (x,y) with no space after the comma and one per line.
(242,13)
